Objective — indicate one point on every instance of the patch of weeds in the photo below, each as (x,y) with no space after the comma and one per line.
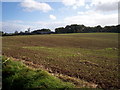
(17,75)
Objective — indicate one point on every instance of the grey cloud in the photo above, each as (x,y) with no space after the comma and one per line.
(105,7)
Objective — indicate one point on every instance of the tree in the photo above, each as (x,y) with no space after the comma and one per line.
(97,29)
(59,30)
(1,33)
(16,32)
(28,30)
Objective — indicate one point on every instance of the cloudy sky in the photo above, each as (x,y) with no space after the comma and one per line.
(37,14)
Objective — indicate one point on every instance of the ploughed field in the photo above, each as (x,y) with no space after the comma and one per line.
(92,57)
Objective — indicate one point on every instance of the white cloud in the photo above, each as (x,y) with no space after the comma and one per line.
(80,12)
(87,6)
(91,18)
(69,2)
(52,17)
(0,26)
(53,25)
(12,27)
(100,5)
(88,18)
(50,25)
(74,3)
(31,5)
(15,21)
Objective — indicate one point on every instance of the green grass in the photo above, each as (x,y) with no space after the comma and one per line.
(92,57)
(17,75)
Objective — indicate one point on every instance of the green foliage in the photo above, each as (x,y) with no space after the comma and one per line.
(74,28)
(17,75)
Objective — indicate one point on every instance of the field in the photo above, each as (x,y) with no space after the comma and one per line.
(92,57)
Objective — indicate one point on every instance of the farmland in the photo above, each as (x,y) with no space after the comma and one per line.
(92,57)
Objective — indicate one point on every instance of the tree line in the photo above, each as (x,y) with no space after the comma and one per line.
(73,28)
(27,32)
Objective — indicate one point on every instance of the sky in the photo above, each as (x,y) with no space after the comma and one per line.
(38,14)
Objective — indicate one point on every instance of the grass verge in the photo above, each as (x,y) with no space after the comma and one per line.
(17,75)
